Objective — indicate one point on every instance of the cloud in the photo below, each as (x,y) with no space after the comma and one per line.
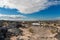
(28,6)
(11,17)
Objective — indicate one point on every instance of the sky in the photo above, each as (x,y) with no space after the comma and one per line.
(29,9)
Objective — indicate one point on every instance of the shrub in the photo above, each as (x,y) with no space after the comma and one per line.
(53,31)
(31,30)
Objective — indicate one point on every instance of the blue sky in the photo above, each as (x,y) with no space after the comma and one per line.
(50,13)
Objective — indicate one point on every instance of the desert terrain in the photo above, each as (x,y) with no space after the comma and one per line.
(32,30)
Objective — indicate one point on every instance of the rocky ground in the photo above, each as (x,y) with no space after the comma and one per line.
(36,33)
(46,31)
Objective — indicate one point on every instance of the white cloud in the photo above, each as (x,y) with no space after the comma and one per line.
(11,17)
(28,6)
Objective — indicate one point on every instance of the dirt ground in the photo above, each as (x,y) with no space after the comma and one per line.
(39,33)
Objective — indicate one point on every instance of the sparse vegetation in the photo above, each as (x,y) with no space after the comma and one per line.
(53,31)
(27,31)
(31,30)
